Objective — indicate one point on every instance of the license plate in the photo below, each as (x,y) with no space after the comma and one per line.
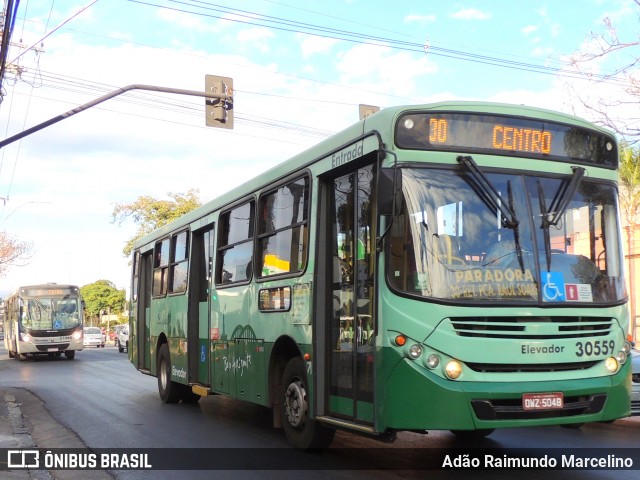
(542,401)
(52,349)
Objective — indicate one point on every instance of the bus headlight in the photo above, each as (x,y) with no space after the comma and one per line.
(621,357)
(626,348)
(611,364)
(77,335)
(453,369)
(415,351)
(432,361)
(25,337)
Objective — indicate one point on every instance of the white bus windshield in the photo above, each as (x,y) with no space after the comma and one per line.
(451,242)
(44,313)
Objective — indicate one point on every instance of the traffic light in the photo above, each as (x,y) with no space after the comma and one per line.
(219,110)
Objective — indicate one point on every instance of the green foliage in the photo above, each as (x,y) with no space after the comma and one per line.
(100,296)
(150,213)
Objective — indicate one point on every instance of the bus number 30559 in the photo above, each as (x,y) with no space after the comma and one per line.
(596,347)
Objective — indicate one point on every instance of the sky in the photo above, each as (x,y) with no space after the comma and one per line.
(300,70)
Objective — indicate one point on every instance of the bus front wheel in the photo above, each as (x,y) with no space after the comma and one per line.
(70,354)
(302,432)
(169,391)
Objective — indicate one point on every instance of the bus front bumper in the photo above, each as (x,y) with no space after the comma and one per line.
(417,399)
(39,348)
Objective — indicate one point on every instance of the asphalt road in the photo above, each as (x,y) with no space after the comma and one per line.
(108,404)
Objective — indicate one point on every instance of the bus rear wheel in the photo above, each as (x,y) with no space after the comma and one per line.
(302,432)
(170,392)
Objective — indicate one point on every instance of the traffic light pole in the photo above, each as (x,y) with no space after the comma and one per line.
(224,99)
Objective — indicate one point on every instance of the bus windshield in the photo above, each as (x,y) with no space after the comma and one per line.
(50,313)
(525,238)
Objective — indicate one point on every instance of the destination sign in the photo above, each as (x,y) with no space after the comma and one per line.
(503,135)
(46,292)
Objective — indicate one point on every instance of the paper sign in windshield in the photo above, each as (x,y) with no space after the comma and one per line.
(578,292)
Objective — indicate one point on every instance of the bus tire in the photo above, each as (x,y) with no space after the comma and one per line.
(170,392)
(302,432)
(70,354)
(10,353)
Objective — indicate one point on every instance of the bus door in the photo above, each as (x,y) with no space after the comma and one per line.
(143,314)
(351,248)
(199,320)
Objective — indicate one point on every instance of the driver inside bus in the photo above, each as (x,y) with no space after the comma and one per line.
(67,313)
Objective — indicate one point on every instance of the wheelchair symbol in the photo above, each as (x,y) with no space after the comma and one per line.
(553,289)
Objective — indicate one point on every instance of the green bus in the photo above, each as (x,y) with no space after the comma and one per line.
(453,266)
(44,319)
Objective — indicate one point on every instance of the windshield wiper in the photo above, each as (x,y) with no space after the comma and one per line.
(545,226)
(516,228)
(558,207)
(563,197)
(489,194)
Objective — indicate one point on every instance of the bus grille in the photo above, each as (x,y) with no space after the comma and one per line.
(532,328)
(536,367)
(47,347)
(511,409)
(63,332)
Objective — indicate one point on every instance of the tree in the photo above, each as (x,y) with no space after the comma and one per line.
(102,295)
(621,58)
(12,252)
(150,213)
(617,108)
(630,206)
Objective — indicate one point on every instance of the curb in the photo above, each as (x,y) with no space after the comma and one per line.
(32,426)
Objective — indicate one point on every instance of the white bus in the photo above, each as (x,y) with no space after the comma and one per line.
(44,320)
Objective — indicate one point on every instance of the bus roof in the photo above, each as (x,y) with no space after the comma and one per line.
(382,121)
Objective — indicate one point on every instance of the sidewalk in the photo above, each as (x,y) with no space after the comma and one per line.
(25,423)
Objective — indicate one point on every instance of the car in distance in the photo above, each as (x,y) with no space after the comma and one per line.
(122,338)
(93,337)
(635,382)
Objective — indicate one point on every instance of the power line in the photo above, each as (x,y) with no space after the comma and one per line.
(282,24)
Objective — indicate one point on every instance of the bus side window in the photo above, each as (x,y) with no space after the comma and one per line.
(235,249)
(161,268)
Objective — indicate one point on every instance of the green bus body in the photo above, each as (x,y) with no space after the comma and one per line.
(357,323)
(44,319)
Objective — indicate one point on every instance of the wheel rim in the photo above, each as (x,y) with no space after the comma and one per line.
(163,373)
(296,403)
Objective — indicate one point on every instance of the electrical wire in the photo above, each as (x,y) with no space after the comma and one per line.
(282,24)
